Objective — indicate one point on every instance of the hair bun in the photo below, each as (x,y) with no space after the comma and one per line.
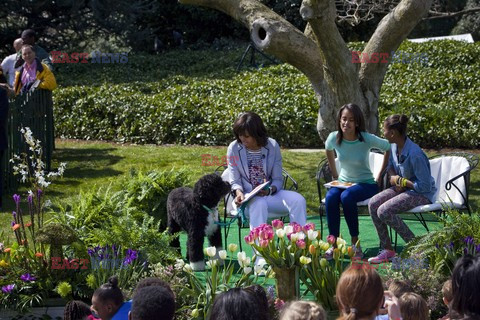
(113,281)
(403,119)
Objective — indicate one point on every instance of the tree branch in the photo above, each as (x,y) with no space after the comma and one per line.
(340,73)
(272,34)
(390,33)
(441,15)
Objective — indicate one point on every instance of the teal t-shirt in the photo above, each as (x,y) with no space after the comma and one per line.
(354,155)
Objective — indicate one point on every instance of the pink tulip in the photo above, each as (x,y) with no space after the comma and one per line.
(264,243)
(300,244)
(309,226)
(277,224)
(296,227)
(249,239)
(331,239)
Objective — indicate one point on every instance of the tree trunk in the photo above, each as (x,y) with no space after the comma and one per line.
(321,53)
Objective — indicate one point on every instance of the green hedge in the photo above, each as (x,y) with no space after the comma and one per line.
(193,98)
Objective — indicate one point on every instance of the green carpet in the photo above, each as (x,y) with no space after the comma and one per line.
(368,235)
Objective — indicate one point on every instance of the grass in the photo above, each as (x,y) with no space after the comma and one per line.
(100,164)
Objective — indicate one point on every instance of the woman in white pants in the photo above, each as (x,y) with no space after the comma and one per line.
(252,159)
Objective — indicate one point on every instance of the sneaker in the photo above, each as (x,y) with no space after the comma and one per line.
(358,253)
(383,256)
(329,254)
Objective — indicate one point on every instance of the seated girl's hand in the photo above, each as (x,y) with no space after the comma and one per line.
(239,198)
(393,180)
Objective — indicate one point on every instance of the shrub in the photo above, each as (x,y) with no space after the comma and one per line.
(194,97)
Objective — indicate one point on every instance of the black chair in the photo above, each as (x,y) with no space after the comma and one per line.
(230,215)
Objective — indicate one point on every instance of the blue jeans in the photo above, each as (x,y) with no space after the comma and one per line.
(348,198)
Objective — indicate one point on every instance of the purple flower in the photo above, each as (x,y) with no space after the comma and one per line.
(131,255)
(16,198)
(477,248)
(27,277)
(14,214)
(30,199)
(468,240)
(39,193)
(13,223)
(90,252)
(8,288)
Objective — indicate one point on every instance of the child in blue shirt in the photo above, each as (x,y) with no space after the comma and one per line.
(411,182)
(108,302)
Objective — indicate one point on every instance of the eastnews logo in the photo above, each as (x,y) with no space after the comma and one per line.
(96,57)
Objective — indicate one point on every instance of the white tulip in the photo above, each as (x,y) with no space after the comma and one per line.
(211,251)
(247,270)
(312,235)
(222,254)
(280,233)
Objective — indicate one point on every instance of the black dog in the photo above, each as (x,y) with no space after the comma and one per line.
(195,212)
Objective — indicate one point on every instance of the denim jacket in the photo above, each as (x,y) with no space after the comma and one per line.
(413,164)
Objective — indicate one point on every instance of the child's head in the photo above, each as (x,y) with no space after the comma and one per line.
(76,310)
(302,310)
(465,284)
(151,302)
(152,282)
(447,292)
(350,118)
(107,299)
(395,125)
(399,287)
(413,307)
(249,126)
(359,293)
(239,304)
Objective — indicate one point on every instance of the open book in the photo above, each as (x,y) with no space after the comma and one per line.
(339,184)
(253,193)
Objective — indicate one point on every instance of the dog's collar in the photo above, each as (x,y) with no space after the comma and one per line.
(212,211)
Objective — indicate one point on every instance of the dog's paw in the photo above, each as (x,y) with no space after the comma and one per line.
(198,266)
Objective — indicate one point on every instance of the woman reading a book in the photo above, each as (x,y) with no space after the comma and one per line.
(260,161)
(352,144)
(412,186)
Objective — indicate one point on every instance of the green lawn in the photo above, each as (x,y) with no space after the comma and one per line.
(95,164)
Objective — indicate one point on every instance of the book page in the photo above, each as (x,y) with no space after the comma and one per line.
(252,193)
(339,184)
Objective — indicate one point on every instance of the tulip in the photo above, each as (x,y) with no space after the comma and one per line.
(280,233)
(195,313)
(336,254)
(249,239)
(263,243)
(187,268)
(323,245)
(211,263)
(232,247)
(350,252)
(305,260)
(241,256)
(211,251)
(301,244)
(311,249)
(312,235)
(296,227)
(331,239)
(247,270)
(288,229)
(323,263)
(309,226)
(341,241)
(293,237)
(277,224)
(222,254)
(300,235)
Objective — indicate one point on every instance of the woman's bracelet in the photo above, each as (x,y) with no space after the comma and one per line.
(401,182)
